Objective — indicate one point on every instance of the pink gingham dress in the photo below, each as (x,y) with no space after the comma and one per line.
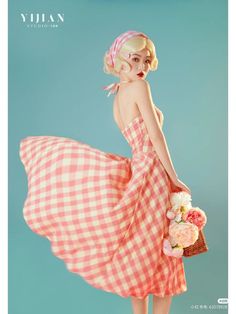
(104,214)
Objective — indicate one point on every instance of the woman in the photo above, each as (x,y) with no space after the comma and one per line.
(131,57)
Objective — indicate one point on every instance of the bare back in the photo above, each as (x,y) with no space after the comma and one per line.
(125,108)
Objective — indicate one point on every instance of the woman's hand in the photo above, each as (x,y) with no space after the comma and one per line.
(178,186)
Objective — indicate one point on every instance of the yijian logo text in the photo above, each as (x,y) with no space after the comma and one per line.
(42,20)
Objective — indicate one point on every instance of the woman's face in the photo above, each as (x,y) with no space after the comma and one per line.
(140,63)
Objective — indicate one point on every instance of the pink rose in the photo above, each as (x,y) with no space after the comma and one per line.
(167,248)
(195,216)
(170,251)
(170,214)
(185,234)
(177,252)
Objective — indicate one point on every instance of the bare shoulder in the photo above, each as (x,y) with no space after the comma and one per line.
(140,88)
(143,84)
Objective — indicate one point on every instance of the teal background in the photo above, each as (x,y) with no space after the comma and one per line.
(55,88)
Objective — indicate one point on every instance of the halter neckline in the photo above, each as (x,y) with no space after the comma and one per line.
(113,88)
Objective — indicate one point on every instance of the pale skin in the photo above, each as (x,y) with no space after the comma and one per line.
(134,99)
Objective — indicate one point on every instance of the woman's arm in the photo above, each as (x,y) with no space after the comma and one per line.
(160,115)
(149,113)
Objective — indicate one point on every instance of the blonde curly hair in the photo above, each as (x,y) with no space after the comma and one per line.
(132,45)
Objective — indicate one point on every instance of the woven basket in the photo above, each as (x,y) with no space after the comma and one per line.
(200,246)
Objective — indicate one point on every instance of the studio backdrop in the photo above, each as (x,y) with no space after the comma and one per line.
(56,80)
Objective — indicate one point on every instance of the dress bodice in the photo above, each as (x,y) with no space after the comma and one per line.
(137,136)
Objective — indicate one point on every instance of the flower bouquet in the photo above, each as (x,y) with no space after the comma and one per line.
(186,236)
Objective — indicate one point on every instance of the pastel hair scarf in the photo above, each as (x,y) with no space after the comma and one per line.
(112,53)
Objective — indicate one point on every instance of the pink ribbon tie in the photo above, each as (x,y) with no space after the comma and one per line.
(113,88)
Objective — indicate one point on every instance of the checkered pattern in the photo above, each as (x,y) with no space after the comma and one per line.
(104,214)
(119,41)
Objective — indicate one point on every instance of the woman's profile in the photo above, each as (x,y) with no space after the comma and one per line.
(103,213)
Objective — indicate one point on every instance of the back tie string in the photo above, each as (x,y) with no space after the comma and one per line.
(113,88)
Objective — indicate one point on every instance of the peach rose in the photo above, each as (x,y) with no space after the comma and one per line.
(184,233)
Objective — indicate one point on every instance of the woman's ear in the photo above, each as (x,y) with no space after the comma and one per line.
(125,66)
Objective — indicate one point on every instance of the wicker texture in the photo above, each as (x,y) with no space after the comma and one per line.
(200,246)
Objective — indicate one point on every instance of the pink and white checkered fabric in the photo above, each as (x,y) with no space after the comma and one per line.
(119,41)
(104,214)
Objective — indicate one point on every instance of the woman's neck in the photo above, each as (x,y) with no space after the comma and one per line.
(124,79)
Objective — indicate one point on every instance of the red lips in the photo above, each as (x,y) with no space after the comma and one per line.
(140,74)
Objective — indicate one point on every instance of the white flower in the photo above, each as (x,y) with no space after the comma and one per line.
(178,217)
(189,206)
(179,199)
